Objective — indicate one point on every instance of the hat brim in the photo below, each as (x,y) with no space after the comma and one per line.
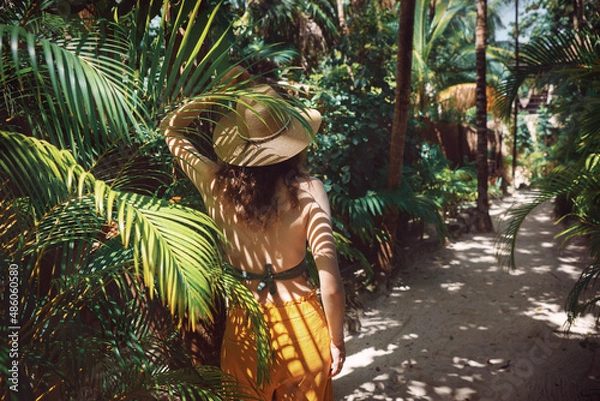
(231,148)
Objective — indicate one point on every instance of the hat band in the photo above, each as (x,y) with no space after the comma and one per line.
(266,138)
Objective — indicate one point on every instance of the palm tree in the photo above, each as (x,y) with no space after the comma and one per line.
(484,221)
(568,61)
(113,254)
(440,26)
(400,124)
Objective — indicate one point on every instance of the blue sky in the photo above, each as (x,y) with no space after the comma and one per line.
(508,18)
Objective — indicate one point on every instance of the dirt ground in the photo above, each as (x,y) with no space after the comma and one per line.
(456,326)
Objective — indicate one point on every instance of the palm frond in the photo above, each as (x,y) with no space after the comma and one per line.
(89,351)
(570,181)
(76,93)
(361,212)
(42,188)
(430,31)
(506,243)
(347,250)
(15,12)
(588,280)
(324,14)
(182,40)
(146,169)
(202,383)
(175,247)
(568,55)
(559,182)
(240,296)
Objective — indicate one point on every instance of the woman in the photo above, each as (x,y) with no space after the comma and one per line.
(269,209)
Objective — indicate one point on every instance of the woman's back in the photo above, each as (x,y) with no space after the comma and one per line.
(282,242)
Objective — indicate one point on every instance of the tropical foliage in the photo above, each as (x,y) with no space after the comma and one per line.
(569,61)
(306,29)
(111,267)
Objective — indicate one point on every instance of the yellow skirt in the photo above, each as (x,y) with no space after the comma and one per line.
(300,340)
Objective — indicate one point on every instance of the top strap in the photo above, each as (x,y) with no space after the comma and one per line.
(268,278)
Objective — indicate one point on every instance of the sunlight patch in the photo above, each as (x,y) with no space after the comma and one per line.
(418,389)
(452,287)
(468,246)
(542,269)
(443,390)
(573,271)
(556,315)
(461,363)
(376,324)
(517,272)
(464,393)
(551,313)
(364,358)
(491,259)
(584,325)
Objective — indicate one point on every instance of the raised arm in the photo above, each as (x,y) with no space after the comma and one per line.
(196,166)
(322,244)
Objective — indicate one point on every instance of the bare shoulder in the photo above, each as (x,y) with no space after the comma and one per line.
(312,185)
(315,191)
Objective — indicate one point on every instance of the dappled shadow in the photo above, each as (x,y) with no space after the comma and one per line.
(459,327)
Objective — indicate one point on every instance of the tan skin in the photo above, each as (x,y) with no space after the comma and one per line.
(282,243)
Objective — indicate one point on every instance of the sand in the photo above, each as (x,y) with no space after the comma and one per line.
(456,326)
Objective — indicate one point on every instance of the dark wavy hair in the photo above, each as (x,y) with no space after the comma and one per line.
(252,190)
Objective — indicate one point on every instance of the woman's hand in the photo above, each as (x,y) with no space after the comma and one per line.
(338,356)
(183,116)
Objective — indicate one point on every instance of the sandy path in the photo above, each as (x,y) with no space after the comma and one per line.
(457,327)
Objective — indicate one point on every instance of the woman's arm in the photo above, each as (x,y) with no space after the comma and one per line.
(196,166)
(322,244)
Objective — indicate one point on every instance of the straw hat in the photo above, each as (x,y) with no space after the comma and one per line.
(256,134)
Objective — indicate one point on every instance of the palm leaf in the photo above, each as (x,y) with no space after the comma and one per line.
(171,246)
(361,212)
(570,181)
(430,31)
(506,243)
(194,64)
(127,334)
(587,281)
(560,181)
(202,383)
(347,250)
(77,93)
(240,296)
(174,247)
(323,13)
(568,55)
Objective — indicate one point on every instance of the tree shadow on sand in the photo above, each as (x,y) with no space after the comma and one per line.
(456,326)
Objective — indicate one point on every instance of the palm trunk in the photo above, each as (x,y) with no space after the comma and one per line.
(484,222)
(342,17)
(400,124)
